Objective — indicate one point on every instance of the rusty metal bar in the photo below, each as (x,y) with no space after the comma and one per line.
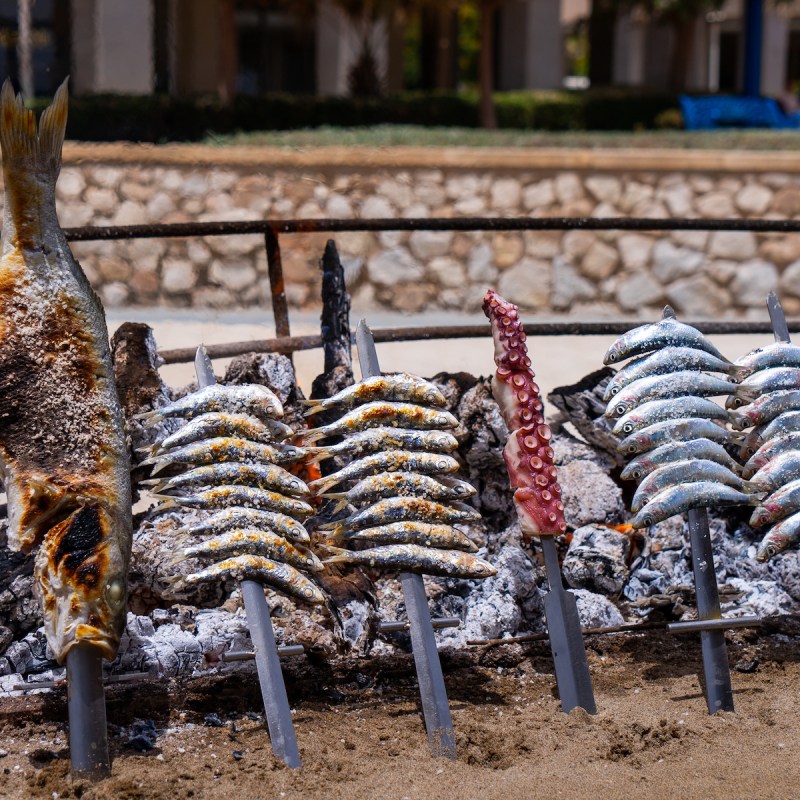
(292,344)
(280,308)
(275,227)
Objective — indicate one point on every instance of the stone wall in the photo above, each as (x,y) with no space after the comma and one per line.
(579,272)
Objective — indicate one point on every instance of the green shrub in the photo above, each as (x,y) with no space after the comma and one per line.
(161,118)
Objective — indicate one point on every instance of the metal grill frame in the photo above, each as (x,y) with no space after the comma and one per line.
(273,229)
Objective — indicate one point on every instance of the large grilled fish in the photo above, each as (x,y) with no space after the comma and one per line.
(63,454)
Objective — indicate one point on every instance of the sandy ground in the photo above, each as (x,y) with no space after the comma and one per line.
(361,735)
(557,360)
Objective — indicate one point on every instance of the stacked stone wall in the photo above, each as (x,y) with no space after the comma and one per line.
(577,272)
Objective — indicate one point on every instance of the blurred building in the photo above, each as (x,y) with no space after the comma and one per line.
(229,47)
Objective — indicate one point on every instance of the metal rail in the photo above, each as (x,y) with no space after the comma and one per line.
(274,227)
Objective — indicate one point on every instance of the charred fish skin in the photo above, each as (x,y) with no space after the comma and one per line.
(668,360)
(219,497)
(415,558)
(223,449)
(679,499)
(667,332)
(765,409)
(775,354)
(681,472)
(678,451)
(62,442)
(236,517)
(256,542)
(778,505)
(781,537)
(404,509)
(250,399)
(373,440)
(654,411)
(389,461)
(379,414)
(262,476)
(282,577)
(443,537)
(668,431)
(215,424)
(397,387)
(686,382)
(404,484)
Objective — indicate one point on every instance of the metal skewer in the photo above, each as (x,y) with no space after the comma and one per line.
(566,638)
(433,693)
(270,677)
(86,702)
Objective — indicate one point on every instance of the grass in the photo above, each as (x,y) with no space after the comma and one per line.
(409,135)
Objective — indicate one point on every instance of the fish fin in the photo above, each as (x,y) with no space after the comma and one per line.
(736,437)
(148,462)
(155,482)
(313,410)
(37,150)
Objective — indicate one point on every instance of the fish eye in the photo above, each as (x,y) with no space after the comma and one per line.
(628,427)
(621,408)
(637,473)
(647,520)
(612,356)
(614,390)
(115,592)
(632,448)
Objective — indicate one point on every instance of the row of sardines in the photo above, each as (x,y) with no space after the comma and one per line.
(686,451)
(240,470)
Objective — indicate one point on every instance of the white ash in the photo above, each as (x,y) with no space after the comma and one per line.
(589,495)
(596,611)
(597,559)
(507,604)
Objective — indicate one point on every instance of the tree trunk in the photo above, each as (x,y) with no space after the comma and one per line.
(601,44)
(682,44)
(488,118)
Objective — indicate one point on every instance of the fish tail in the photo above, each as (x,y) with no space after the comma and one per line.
(739,373)
(746,394)
(148,418)
(340,555)
(319,454)
(321,485)
(315,407)
(311,435)
(155,482)
(167,502)
(30,150)
(340,496)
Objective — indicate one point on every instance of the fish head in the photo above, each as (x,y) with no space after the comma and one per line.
(619,406)
(630,423)
(81,570)
(644,519)
(613,354)
(432,397)
(612,389)
(771,545)
(634,444)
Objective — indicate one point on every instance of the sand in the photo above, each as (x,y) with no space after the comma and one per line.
(361,735)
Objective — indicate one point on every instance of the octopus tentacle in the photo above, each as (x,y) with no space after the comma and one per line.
(528,454)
